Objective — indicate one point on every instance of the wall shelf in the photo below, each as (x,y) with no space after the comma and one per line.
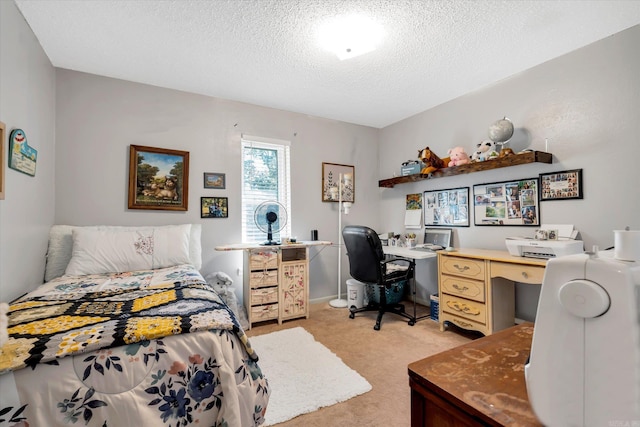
(513,160)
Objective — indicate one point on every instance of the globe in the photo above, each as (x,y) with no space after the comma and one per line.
(501,131)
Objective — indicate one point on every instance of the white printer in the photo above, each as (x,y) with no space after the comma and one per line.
(561,243)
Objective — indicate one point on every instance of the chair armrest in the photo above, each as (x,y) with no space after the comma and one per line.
(411,265)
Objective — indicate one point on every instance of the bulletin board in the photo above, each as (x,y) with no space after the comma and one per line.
(448,208)
(507,203)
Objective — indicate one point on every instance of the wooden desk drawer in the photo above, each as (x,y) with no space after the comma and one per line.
(517,272)
(263,260)
(467,267)
(264,295)
(260,279)
(464,308)
(472,289)
(464,323)
(264,312)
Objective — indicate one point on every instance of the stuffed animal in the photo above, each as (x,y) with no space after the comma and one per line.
(506,152)
(222,284)
(486,150)
(431,161)
(458,157)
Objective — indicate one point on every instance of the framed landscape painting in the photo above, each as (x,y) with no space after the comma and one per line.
(158,178)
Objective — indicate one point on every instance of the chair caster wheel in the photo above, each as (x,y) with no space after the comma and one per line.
(376,327)
(352,316)
(411,323)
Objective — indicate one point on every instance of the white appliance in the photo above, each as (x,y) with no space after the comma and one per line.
(521,246)
(584,367)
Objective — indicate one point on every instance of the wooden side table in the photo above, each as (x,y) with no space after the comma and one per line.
(477,384)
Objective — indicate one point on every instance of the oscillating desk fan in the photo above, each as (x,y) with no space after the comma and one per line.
(270,217)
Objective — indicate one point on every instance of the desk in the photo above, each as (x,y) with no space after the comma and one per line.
(413,254)
(476,384)
(477,289)
(275,279)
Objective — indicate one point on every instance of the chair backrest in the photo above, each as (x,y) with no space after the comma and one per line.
(365,253)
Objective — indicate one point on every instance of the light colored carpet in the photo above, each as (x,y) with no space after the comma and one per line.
(303,374)
(379,356)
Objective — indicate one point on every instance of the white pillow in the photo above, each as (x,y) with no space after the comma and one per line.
(97,251)
(61,246)
(171,246)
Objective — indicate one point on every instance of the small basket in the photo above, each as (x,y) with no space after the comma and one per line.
(435,306)
(393,294)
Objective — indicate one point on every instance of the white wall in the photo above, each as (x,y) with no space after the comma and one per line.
(98,118)
(587,103)
(27,102)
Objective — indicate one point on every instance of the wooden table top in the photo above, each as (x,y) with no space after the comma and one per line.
(494,255)
(484,377)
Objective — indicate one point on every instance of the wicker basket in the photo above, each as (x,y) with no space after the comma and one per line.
(393,294)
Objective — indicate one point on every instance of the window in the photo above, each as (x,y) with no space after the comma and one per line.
(265,177)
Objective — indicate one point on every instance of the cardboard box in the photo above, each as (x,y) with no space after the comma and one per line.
(435,307)
(411,169)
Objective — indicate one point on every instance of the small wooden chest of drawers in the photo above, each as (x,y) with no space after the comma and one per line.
(476,287)
(463,292)
(276,283)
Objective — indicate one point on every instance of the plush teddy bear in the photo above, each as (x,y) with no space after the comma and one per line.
(431,161)
(486,150)
(458,157)
(222,284)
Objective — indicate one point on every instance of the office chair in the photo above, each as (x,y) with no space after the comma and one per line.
(367,264)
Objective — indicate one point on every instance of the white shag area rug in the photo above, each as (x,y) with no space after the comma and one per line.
(303,374)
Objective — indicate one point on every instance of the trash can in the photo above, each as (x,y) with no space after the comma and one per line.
(355,293)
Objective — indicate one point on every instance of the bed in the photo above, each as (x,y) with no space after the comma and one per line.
(126,332)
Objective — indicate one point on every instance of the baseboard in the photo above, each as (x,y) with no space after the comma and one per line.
(329,298)
(324,299)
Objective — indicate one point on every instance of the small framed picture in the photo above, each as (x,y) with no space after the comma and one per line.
(561,185)
(214,207)
(336,178)
(215,180)
(2,128)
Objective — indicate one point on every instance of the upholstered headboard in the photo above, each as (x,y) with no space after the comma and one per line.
(60,249)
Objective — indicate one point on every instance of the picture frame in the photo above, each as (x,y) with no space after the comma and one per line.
(331,182)
(158,178)
(215,180)
(512,202)
(446,208)
(214,207)
(2,131)
(561,185)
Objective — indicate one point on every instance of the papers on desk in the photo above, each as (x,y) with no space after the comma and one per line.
(413,211)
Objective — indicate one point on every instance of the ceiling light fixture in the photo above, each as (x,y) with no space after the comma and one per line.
(350,36)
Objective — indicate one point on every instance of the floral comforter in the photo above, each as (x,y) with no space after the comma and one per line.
(145,348)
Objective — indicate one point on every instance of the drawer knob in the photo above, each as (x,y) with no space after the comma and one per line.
(525,275)
(462,323)
(464,308)
(465,268)
(460,288)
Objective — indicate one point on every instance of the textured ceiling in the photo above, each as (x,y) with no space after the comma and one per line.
(265,52)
